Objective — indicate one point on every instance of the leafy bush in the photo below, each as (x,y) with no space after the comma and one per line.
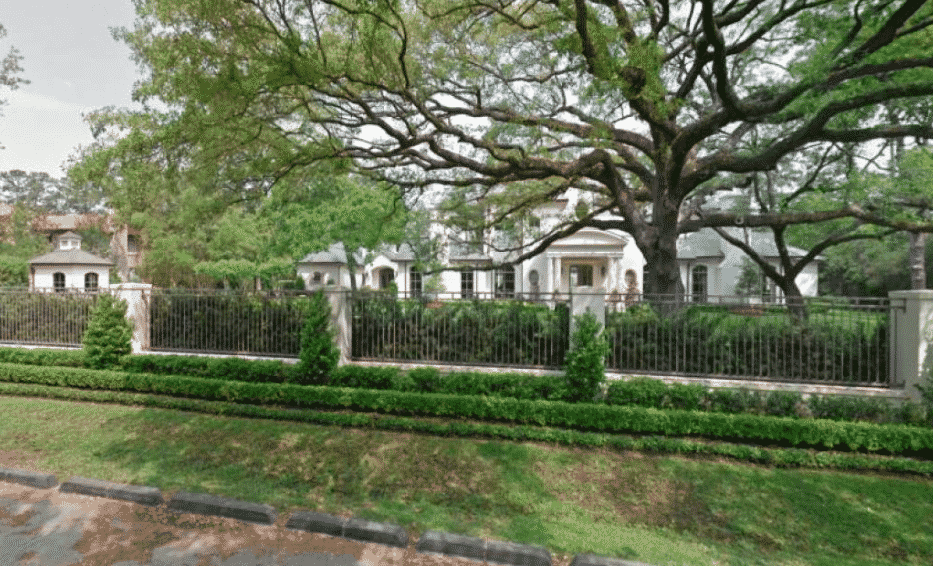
(108,334)
(273,371)
(640,391)
(319,354)
(42,357)
(585,369)
(364,377)
(425,380)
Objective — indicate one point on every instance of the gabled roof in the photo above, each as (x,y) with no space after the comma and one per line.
(335,254)
(69,257)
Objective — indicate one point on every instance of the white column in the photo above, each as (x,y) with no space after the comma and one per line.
(911,331)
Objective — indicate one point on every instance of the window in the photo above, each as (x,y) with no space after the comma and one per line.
(505,282)
(317,277)
(466,284)
(132,244)
(386,277)
(90,282)
(698,283)
(58,280)
(581,275)
(414,283)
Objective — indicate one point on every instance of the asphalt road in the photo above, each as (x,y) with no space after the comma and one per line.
(44,527)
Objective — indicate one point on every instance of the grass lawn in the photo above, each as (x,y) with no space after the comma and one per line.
(654,509)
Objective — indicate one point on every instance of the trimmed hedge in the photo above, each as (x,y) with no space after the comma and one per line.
(779,457)
(864,437)
(640,391)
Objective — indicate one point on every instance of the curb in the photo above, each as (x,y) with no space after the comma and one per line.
(32,479)
(431,542)
(136,493)
(501,552)
(205,504)
(357,529)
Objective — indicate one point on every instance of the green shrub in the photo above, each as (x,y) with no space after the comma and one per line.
(585,366)
(108,334)
(734,401)
(42,357)
(782,403)
(640,391)
(364,377)
(425,380)
(319,355)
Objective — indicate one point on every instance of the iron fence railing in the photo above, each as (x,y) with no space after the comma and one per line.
(453,328)
(44,317)
(222,322)
(839,341)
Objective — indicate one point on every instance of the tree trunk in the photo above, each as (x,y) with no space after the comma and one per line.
(796,306)
(351,269)
(917,255)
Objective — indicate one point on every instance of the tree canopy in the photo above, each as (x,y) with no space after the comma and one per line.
(649,107)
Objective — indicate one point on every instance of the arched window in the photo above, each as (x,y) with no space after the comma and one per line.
(386,277)
(698,283)
(90,282)
(58,280)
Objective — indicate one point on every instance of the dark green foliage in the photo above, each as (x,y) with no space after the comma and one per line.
(850,408)
(585,369)
(364,377)
(782,403)
(108,334)
(836,345)
(641,391)
(42,357)
(734,401)
(426,380)
(468,332)
(271,371)
(233,323)
(319,354)
(44,318)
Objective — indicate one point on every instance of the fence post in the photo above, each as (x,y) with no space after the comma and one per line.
(340,319)
(911,331)
(136,296)
(587,303)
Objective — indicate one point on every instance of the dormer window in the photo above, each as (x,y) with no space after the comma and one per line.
(69,241)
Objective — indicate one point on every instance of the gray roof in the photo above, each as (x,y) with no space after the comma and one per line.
(400,253)
(335,254)
(69,257)
(706,243)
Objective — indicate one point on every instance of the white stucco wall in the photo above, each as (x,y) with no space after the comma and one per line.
(74,275)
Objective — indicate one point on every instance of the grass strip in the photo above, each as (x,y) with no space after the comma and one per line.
(776,457)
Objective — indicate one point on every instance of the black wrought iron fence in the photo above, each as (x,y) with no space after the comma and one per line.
(259,323)
(447,328)
(840,341)
(44,318)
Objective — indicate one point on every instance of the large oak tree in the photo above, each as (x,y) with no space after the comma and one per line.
(650,106)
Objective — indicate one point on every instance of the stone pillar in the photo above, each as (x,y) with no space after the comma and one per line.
(340,304)
(591,303)
(136,296)
(910,335)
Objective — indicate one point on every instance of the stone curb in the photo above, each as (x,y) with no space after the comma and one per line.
(500,552)
(135,493)
(32,479)
(593,560)
(433,542)
(357,529)
(205,504)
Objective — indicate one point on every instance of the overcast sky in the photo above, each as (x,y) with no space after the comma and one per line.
(74,66)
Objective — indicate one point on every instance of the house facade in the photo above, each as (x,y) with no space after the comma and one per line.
(589,261)
(69,268)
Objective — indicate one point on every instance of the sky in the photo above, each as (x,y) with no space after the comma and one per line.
(74,65)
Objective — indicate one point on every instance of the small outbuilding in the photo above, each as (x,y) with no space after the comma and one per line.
(69,268)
